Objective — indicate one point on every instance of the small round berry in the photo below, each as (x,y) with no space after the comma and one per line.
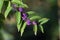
(21,9)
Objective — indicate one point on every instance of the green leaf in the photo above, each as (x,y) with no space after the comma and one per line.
(1,4)
(19,26)
(35,29)
(9,8)
(23,28)
(41,28)
(35,17)
(31,12)
(23,5)
(43,20)
(18,20)
(17,1)
(20,3)
(18,17)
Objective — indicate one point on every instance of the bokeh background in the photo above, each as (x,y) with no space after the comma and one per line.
(44,8)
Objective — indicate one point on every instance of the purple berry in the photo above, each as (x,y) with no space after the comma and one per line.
(34,22)
(24,16)
(28,22)
(21,9)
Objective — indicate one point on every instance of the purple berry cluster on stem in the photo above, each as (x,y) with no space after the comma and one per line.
(25,18)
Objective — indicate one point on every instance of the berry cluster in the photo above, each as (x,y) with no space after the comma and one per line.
(24,15)
(25,18)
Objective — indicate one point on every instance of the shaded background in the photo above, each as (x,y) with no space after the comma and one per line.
(44,8)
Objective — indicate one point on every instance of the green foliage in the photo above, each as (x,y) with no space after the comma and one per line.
(41,28)
(31,12)
(35,17)
(18,17)
(31,15)
(18,20)
(23,5)
(43,20)
(35,29)
(19,26)
(9,8)
(23,28)
(20,3)
(1,4)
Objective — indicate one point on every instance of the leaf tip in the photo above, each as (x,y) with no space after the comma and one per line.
(42,31)
(21,34)
(35,33)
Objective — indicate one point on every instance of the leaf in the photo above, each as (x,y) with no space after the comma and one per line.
(31,12)
(1,4)
(18,20)
(19,26)
(43,20)
(35,17)
(17,1)
(23,5)
(41,28)
(20,3)
(9,8)
(35,29)
(18,17)
(23,28)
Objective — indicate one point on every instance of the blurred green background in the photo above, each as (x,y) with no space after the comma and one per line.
(44,8)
